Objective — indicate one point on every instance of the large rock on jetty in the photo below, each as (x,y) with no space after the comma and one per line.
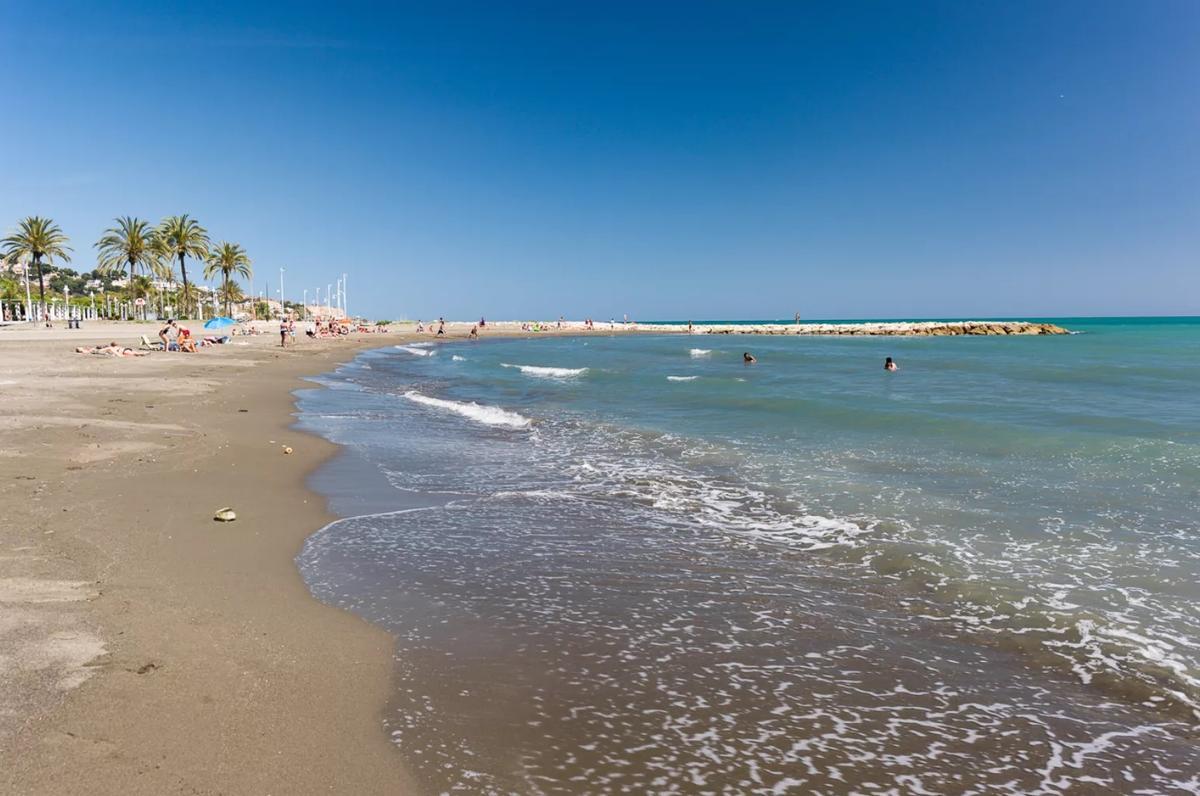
(899,328)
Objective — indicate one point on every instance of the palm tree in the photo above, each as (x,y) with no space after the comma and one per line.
(133,243)
(232,294)
(35,238)
(140,287)
(180,237)
(227,259)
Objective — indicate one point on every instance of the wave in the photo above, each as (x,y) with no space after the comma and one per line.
(480,413)
(457,358)
(546,372)
(417,349)
(682,378)
(700,352)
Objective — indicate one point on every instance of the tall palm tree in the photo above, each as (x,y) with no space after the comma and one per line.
(180,237)
(227,259)
(133,243)
(35,238)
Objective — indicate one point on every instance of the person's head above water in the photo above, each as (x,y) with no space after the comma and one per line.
(748,357)
(889,364)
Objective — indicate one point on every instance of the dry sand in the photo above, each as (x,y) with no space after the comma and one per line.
(145,648)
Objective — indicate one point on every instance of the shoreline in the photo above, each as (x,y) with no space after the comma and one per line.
(151,649)
(543,616)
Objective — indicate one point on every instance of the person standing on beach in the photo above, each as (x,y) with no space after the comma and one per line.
(167,333)
(441,327)
(283,331)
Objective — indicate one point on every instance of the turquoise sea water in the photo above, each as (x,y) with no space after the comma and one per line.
(634,562)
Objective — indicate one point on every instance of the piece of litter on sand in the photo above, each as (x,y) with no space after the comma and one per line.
(287,449)
(225,515)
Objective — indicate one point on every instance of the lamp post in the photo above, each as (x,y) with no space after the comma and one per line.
(329,297)
(304,305)
(282,298)
(345,308)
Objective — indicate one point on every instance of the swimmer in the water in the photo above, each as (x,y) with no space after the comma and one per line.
(748,358)
(888,364)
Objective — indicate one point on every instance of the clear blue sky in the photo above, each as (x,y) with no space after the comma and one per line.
(668,160)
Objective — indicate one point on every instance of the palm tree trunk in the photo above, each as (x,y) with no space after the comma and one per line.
(226,289)
(37,261)
(131,285)
(186,297)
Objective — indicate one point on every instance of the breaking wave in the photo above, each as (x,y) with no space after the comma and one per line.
(480,413)
(546,372)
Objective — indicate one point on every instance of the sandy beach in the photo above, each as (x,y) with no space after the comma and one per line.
(147,648)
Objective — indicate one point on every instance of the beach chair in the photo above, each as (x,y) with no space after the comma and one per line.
(149,346)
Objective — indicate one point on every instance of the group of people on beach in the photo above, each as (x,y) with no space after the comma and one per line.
(179,338)
(440,330)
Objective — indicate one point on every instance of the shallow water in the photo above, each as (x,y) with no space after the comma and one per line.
(638,564)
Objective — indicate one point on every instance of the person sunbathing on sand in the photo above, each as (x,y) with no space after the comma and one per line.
(111,350)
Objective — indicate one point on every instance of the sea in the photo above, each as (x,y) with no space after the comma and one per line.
(636,564)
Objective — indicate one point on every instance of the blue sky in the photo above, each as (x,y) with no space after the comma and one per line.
(666,160)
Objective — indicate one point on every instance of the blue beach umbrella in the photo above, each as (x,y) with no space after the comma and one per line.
(219,323)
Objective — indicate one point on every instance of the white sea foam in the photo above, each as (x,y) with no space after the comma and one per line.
(700,352)
(480,413)
(417,349)
(457,358)
(682,378)
(546,372)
